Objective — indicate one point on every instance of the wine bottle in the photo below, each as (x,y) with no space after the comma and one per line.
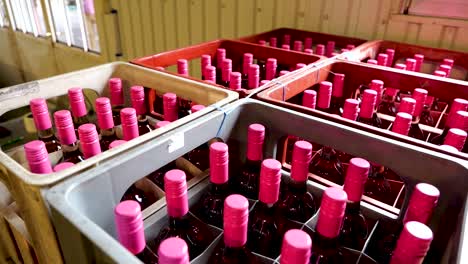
(440,73)
(283,73)
(37,157)
(78,107)
(324,96)
(330,48)
(326,237)
(129,123)
(308,43)
(382,59)
(246,62)
(297,203)
(130,231)
(355,230)
(180,223)
(170,107)
(235,81)
(254,76)
(41,117)
(402,123)
(220,57)
(262,42)
(336,102)
(116,143)
(182,67)
(116,98)
(66,134)
(173,250)
(378,86)
(271,66)
(410,64)
(320,50)
(367,114)
(213,201)
(89,140)
(372,62)
(106,122)
(210,73)
(390,55)
(408,105)
(205,61)
(309,51)
(63,165)
(448,62)
(246,183)
(419,58)
(387,104)
(456,138)
(445,68)
(296,247)
(300,66)
(413,244)
(264,235)
(400,66)
(309,98)
(297,46)
(234,248)
(455,119)
(327,165)
(273,42)
(285,47)
(226,72)
(351,109)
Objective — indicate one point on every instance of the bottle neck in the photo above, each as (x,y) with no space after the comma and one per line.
(46,133)
(325,245)
(80,120)
(178,222)
(142,118)
(69,148)
(388,99)
(298,186)
(353,208)
(327,153)
(108,132)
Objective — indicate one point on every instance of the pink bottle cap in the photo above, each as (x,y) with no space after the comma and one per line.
(298,45)
(235,81)
(301,157)
(400,66)
(371,61)
(263,82)
(255,139)
(104,113)
(324,95)
(182,67)
(440,73)
(445,68)
(419,62)
(456,138)
(309,51)
(351,109)
(330,48)
(262,42)
(338,82)
(116,92)
(356,177)
(377,85)
(391,54)
(116,143)
(287,39)
(64,125)
(350,46)
(309,98)
(175,186)
(173,250)
(270,178)
(320,50)
(286,47)
(407,105)
(458,104)
(89,140)
(413,243)
(196,108)
(296,247)
(219,163)
(170,107)
(162,123)
(369,98)
(220,57)
(331,212)
(205,61)
(236,217)
(129,123)
(300,66)
(308,43)
(129,225)
(422,202)
(273,42)
(248,59)
(37,157)
(420,95)
(40,113)
(226,69)
(77,102)
(460,120)
(62,166)
(283,73)
(210,73)
(410,64)
(382,59)
(270,68)
(391,91)
(448,62)
(402,123)
(254,76)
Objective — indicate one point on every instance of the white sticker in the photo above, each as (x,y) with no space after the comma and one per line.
(176,142)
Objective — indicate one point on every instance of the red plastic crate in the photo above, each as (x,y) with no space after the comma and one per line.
(432,56)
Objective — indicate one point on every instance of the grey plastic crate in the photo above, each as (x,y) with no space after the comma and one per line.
(82,207)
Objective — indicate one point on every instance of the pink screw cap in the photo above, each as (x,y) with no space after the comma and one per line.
(37,157)
(236,217)
(210,73)
(331,212)
(448,62)
(255,139)
(285,47)
(419,62)
(308,43)
(324,95)
(116,92)
(297,45)
(458,104)
(205,61)
(273,42)
(377,85)
(283,73)
(196,108)
(440,73)
(77,103)
(407,105)
(226,69)
(182,67)
(116,143)
(351,109)
(369,98)
(104,113)
(309,98)
(287,39)
(402,123)
(270,178)
(40,113)
(330,48)
(89,140)
(356,177)
(400,66)
(296,248)
(456,138)
(65,129)
(129,225)
(460,120)
(270,68)
(372,62)
(170,107)
(390,55)
(338,82)
(220,57)
(413,244)
(445,68)
(254,76)
(422,202)
(219,163)
(173,250)
(235,81)
(309,51)
(300,66)
(162,123)
(301,157)
(175,186)
(410,64)
(320,50)
(263,82)
(129,123)
(420,95)
(248,59)
(382,59)
(62,166)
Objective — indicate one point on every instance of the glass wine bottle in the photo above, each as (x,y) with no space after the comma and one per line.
(137,95)
(116,98)
(413,244)
(220,57)
(324,96)
(199,156)
(129,123)
(400,66)
(419,58)
(456,138)
(106,122)
(336,102)
(205,61)
(367,114)
(246,62)
(402,123)
(78,107)
(410,64)
(320,49)
(390,56)
(170,107)
(378,86)
(41,117)
(210,74)
(387,105)
(173,250)
(89,140)
(327,165)
(382,59)
(408,105)
(297,45)
(351,109)
(37,157)
(182,67)
(226,72)
(235,81)
(455,119)
(254,76)
(63,165)
(308,43)
(330,48)
(66,134)
(309,98)
(271,67)
(296,247)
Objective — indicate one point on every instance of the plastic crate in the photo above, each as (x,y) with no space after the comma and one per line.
(433,57)
(234,51)
(317,38)
(86,229)
(289,94)
(26,188)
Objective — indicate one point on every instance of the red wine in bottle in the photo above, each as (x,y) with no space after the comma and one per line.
(336,102)
(406,105)
(246,62)
(137,95)
(324,96)
(105,120)
(455,119)
(350,112)
(173,251)
(226,72)
(296,247)
(367,114)
(413,244)
(66,133)
(204,62)
(377,185)
(387,105)
(116,98)
(254,76)
(390,55)
(327,165)
(220,57)
(41,117)
(135,194)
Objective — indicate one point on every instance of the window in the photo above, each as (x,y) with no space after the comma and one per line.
(457,9)
(3,15)
(27,16)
